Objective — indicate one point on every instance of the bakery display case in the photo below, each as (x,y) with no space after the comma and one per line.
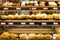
(30,20)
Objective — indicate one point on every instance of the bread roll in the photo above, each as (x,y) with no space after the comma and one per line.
(18,4)
(49,16)
(23,16)
(27,3)
(23,3)
(0,3)
(5,35)
(16,17)
(59,3)
(32,36)
(19,17)
(40,36)
(31,3)
(35,3)
(3,17)
(38,16)
(10,17)
(48,36)
(58,30)
(33,16)
(23,36)
(42,3)
(7,3)
(13,35)
(59,16)
(56,16)
(28,16)
(52,4)
(44,16)
(58,36)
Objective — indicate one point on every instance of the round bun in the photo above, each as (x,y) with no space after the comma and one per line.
(15,16)
(48,36)
(40,36)
(5,35)
(49,16)
(32,36)
(59,3)
(33,16)
(28,16)
(13,35)
(58,36)
(52,3)
(44,16)
(19,17)
(3,17)
(56,16)
(23,36)
(10,17)
(38,16)
(42,3)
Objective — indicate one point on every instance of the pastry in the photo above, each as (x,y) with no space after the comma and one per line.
(27,3)
(28,16)
(56,16)
(42,3)
(58,36)
(32,3)
(35,3)
(33,16)
(10,17)
(44,16)
(1,3)
(59,16)
(38,16)
(13,35)
(49,16)
(7,3)
(3,17)
(48,36)
(32,36)
(52,4)
(23,3)
(23,36)
(40,36)
(5,35)
(59,3)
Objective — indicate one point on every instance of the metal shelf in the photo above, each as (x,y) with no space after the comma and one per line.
(30,8)
(30,20)
(32,30)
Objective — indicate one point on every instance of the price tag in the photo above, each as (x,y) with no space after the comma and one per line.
(18,8)
(55,23)
(33,8)
(43,23)
(45,8)
(10,23)
(55,8)
(23,23)
(31,23)
(5,8)
(3,23)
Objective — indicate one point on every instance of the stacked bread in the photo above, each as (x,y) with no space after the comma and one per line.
(37,16)
(8,35)
(33,36)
